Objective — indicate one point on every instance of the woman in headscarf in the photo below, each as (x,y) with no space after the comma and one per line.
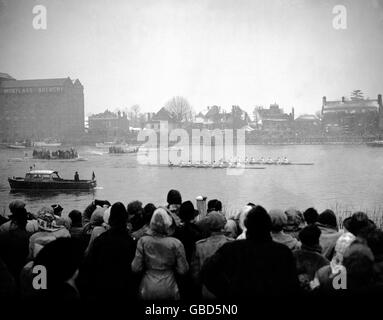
(158,257)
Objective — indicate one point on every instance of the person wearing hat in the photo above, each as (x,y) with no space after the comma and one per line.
(106,272)
(57,210)
(205,248)
(14,242)
(359,224)
(87,214)
(188,232)
(324,275)
(279,221)
(174,201)
(146,217)
(252,267)
(31,226)
(327,223)
(160,257)
(213,206)
(49,230)
(295,222)
(100,224)
(309,258)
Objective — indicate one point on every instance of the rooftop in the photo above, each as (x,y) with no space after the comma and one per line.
(351,104)
(57,82)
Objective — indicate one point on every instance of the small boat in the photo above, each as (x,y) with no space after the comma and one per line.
(58,159)
(122,150)
(48,180)
(105,144)
(47,143)
(376,143)
(17,145)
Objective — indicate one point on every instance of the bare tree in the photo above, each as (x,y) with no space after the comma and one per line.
(180,109)
(134,114)
(357,95)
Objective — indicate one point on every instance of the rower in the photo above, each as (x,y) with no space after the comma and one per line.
(285,160)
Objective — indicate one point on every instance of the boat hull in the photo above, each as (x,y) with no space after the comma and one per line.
(21,184)
(375,144)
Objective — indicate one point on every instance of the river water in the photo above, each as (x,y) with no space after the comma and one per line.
(346,177)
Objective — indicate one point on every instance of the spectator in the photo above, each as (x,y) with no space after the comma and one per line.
(188,233)
(375,243)
(158,257)
(310,216)
(96,220)
(295,222)
(146,217)
(213,206)
(49,230)
(135,212)
(309,259)
(76,230)
(256,265)
(205,248)
(359,263)
(174,201)
(325,275)
(359,224)
(329,232)
(8,288)
(31,226)
(61,258)
(14,242)
(87,214)
(278,222)
(106,270)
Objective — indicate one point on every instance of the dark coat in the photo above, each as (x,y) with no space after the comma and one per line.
(14,246)
(106,272)
(188,233)
(308,263)
(245,268)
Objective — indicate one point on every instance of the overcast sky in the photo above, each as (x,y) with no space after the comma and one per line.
(223,52)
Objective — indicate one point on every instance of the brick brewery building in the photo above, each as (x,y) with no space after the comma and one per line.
(39,109)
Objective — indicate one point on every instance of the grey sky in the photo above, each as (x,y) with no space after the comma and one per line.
(222,52)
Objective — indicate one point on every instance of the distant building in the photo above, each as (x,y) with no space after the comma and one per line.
(41,108)
(307,125)
(353,117)
(216,118)
(164,116)
(273,119)
(109,123)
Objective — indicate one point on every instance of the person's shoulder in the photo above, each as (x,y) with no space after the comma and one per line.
(282,248)
(5,226)
(173,241)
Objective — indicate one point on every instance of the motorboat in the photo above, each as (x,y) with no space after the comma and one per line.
(48,180)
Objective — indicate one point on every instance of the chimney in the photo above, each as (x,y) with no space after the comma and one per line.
(342,99)
(380,100)
(292,113)
(324,101)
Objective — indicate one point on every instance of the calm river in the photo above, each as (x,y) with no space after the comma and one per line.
(346,177)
